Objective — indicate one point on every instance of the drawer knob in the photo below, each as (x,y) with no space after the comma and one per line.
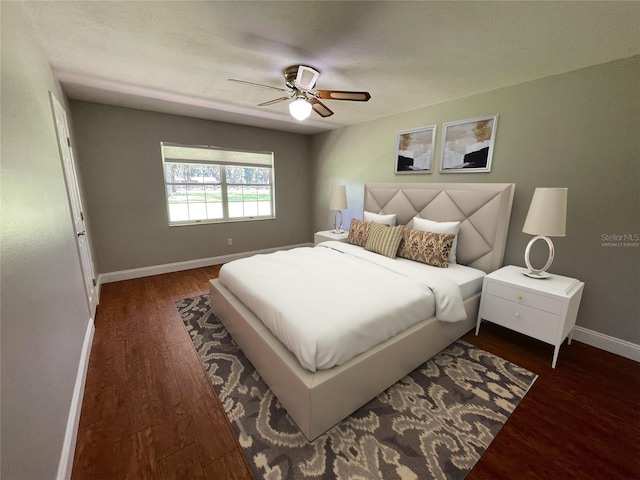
(519,297)
(517,315)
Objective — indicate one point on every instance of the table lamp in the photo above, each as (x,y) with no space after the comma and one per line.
(547,217)
(338,203)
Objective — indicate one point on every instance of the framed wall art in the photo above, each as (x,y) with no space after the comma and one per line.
(467,145)
(414,150)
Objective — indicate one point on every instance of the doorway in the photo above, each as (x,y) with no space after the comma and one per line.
(75,201)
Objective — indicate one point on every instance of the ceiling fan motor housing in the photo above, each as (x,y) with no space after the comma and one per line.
(301,77)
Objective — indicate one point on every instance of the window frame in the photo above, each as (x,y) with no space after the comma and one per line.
(223,184)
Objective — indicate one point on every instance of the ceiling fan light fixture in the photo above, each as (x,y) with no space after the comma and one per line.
(300,109)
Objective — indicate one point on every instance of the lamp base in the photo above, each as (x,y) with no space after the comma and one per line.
(337,227)
(534,274)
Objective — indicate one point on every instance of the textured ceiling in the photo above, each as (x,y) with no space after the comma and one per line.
(176,57)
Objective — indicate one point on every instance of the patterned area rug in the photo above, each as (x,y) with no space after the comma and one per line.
(433,424)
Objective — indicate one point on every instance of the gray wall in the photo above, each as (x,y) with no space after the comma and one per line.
(44,308)
(121,168)
(577,130)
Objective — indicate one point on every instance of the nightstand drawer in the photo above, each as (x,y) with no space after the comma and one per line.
(521,318)
(525,297)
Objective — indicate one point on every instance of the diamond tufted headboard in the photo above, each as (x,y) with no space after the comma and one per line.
(483,210)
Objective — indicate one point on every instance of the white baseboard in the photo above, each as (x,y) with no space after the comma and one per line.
(69,447)
(187,265)
(607,343)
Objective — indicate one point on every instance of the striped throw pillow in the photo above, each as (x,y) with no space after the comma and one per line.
(384,239)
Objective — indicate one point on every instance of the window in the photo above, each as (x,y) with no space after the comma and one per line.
(210,184)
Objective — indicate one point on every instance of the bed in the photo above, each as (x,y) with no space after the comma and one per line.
(317,400)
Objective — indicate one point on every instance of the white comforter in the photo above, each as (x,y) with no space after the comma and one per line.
(329,303)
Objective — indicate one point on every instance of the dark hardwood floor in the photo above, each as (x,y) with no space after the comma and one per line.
(150,412)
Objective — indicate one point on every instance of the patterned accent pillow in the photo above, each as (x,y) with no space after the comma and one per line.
(358,232)
(426,247)
(426,225)
(384,239)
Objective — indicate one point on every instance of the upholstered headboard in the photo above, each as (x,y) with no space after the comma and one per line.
(483,210)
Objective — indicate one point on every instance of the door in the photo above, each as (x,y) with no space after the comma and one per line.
(73,191)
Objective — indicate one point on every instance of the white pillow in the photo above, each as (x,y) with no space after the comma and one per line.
(382,219)
(439,227)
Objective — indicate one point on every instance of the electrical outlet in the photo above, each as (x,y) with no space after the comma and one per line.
(229,241)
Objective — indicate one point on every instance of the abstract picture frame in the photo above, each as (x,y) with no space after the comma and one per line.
(415,150)
(467,145)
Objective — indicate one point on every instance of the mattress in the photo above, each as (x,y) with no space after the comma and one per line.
(329,303)
(468,279)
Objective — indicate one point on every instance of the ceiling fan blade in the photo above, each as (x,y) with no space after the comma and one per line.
(257,85)
(319,107)
(342,95)
(271,102)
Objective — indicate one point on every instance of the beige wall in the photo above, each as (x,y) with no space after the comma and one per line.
(121,168)
(45,314)
(577,130)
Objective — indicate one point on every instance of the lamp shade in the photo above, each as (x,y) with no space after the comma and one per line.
(300,109)
(547,213)
(338,197)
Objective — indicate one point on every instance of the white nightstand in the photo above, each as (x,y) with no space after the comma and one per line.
(327,235)
(543,309)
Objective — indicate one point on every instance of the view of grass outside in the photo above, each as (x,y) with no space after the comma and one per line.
(206,202)
(182,196)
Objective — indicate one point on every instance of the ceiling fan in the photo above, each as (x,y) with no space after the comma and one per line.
(300,81)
